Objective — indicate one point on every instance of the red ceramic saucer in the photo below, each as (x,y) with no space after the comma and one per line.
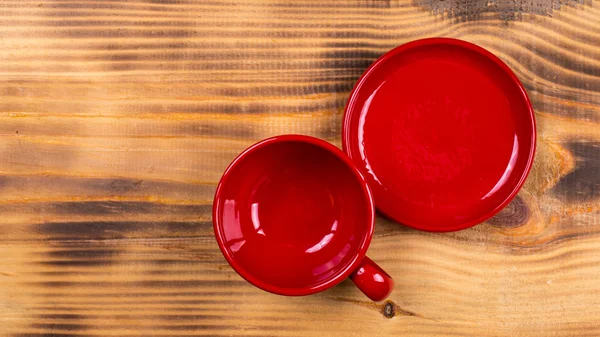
(444,132)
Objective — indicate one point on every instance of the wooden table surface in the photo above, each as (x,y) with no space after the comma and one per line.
(117,119)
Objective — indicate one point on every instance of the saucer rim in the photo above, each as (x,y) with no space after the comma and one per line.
(349,113)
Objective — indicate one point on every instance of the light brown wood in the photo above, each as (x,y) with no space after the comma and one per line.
(117,119)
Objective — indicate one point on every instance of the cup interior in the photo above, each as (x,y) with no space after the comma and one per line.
(292,215)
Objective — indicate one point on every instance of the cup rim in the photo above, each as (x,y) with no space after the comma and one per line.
(343,273)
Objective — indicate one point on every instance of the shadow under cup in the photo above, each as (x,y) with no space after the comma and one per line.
(292,216)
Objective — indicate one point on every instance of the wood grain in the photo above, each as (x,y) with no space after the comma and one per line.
(117,119)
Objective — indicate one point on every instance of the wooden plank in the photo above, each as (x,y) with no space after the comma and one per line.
(118,118)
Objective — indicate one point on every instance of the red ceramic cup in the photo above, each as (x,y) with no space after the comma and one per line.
(293,216)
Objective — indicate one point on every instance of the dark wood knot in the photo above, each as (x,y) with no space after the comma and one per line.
(516,214)
(389,309)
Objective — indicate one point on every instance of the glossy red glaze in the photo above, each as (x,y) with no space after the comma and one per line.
(444,132)
(372,280)
(293,216)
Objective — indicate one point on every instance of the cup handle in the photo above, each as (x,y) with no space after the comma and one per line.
(372,280)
